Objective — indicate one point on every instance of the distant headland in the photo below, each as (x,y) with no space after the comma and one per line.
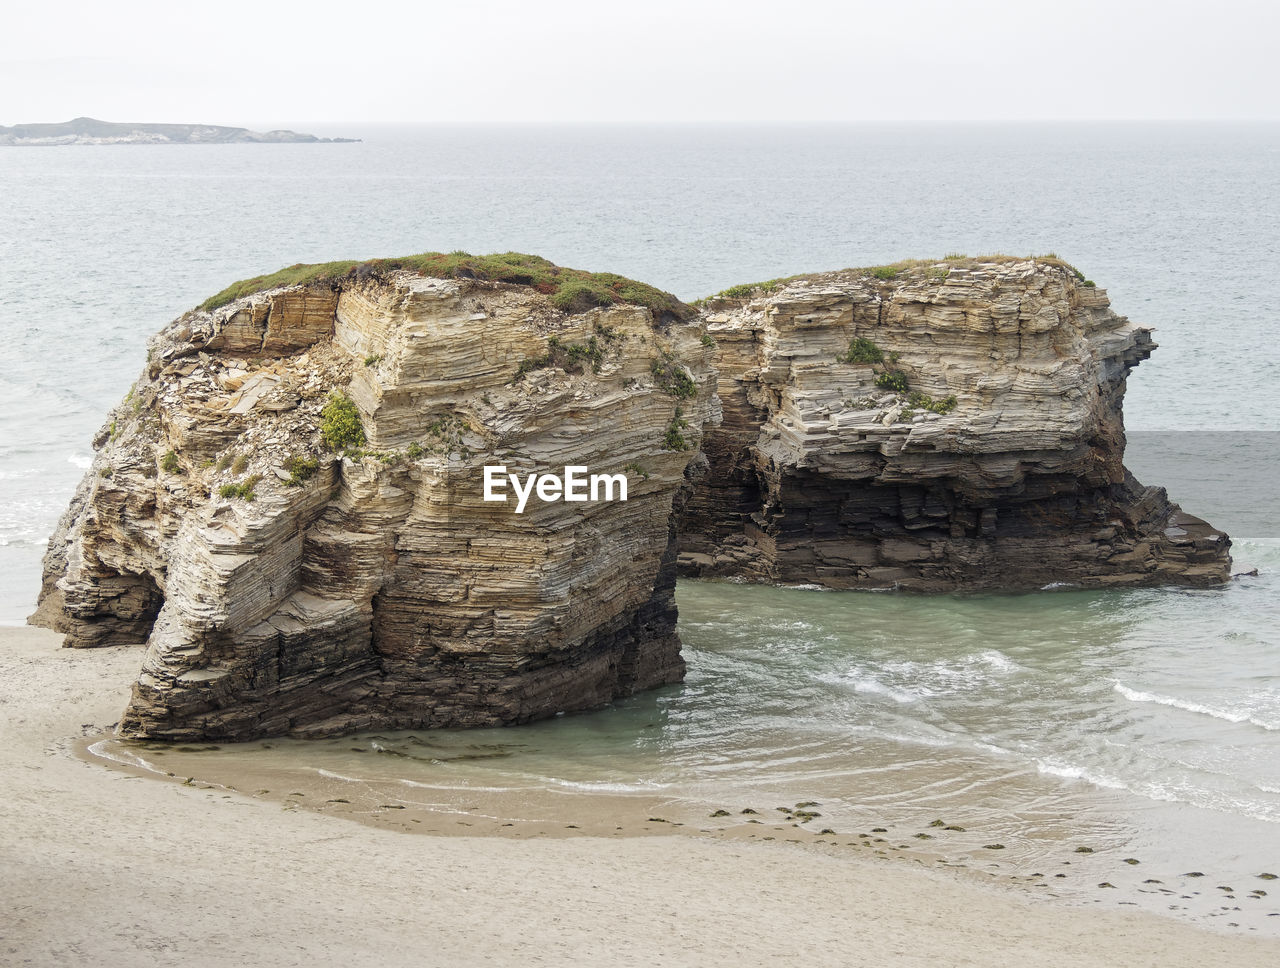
(89,131)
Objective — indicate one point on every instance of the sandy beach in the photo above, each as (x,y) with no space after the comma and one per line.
(103,868)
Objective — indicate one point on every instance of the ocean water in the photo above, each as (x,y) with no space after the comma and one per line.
(1145,722)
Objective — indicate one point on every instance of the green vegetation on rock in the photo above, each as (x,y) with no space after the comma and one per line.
(674,439)
(571,290)
(922,401)
(340,425)
(245,490)
(570,357)
(894,380)
(673,378)
(862,350)
(905,270)
(300,469)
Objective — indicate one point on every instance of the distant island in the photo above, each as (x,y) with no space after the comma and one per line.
(89,131)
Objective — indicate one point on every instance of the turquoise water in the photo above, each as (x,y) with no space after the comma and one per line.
(1148,720)
(1042,723)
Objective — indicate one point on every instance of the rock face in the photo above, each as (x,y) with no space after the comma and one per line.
(289,506)
(996,462)
(287,588)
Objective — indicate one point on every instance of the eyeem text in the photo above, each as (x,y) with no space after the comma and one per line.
(576,484)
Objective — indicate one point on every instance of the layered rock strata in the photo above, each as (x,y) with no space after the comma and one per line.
(954,425)
(289,505)
(285,587)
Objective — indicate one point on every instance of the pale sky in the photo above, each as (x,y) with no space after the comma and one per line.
(237,62)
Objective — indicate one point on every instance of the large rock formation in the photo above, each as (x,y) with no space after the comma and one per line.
(933,426)
(286,587)
(289,505)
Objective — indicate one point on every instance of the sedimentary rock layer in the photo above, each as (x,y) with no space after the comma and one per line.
(289,505)
(935,427)
(284,586)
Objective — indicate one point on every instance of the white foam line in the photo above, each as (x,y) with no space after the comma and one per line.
(123,758)
(1080,773)
(1134,695)
(339,776)
(459,788)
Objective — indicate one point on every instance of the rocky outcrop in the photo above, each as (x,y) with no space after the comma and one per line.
(290,505)
(285,586)
(934,426)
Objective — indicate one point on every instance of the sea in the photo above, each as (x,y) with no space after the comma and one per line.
(1106,747)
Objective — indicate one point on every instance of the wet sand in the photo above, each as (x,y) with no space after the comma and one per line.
(104,867)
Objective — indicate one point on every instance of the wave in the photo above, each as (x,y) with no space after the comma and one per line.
(80,461)
(456,787)
(338,776)
(913,681)
(1069,771)
(877,688)
(1227,715)
(110,750)
(1182,792)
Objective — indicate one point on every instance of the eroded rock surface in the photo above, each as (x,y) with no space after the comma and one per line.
(943,426)
(286,588)
(820,475)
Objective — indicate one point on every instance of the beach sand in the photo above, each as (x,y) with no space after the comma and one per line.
(100,867)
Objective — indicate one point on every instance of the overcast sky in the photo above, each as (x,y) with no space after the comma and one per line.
(240,62)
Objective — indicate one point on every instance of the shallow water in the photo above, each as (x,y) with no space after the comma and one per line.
(1042,723)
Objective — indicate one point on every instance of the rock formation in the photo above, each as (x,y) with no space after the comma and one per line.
(283,586)
(933,426)
(289,506)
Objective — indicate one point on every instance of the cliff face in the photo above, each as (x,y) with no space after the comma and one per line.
(289,506)
(286,587)
(949,426)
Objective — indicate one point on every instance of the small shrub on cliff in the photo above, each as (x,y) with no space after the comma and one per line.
(169,463)
(922,401)
(340,425)
(240,465)
(673,378)
(862,350)
(300,469)
(894,380)
(570,357)
(245,490)
(674,439)
(887,273)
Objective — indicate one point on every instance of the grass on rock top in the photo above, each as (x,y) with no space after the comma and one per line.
(889,273)
(571,290)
